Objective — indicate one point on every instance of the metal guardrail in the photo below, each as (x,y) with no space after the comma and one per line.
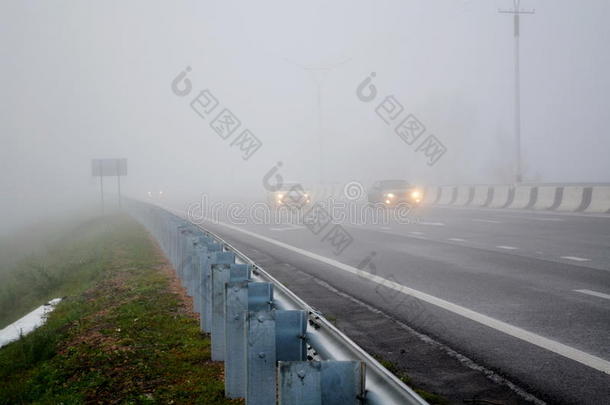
(328,342)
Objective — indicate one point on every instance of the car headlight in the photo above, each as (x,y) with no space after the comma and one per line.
(280,196)
(390,195)
(416,194)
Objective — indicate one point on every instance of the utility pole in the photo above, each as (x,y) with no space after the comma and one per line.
(517,12)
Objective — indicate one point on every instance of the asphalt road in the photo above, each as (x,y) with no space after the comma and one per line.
(526,294)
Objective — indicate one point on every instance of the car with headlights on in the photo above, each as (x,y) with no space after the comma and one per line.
(393,192)
(290,195)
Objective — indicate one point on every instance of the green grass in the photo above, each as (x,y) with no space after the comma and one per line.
(123,335)
(69,262)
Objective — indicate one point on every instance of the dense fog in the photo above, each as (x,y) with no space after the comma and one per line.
(86,80)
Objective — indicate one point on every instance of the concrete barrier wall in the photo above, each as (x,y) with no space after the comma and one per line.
(502,196)
(600,200)
(572,198)
(568,198)
(547,198)
(465,194)
(525,197)
(447,195)
(482,196)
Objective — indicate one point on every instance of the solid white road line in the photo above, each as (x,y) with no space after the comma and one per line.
(576,258)
(529,217)
(457,239)
(547,219)
(287,227)
(430,223)
(489,221)
(514,331)
(416,233)
(594,293)
(506,247)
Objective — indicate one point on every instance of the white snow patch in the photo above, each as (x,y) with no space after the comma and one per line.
(28,323)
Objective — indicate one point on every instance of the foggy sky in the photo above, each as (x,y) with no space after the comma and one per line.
(85,80)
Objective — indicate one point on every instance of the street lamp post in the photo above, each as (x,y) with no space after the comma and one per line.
(517,12)
(318,74)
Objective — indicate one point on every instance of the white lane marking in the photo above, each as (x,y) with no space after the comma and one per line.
(416,233)
(506,247)
(594,293)
(430,223)
(490,221)
(527,218)
(547,219)
(519,333)
(387,228)
(576,258)
(457,239)
(290,228)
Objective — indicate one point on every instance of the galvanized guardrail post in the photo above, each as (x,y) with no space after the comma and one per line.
(260,358)
(221,275)
(272,336)
(321,382)
(214,259)
(198,253)
(189,265)
(202,279)
(241,297)
(203,245)
(291,327)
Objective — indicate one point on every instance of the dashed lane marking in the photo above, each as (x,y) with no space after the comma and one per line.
(594,293)
(576,258)
(489,221)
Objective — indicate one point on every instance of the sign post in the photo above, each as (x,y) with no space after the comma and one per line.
(109,167)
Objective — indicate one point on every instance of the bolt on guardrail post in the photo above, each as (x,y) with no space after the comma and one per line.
(241,297)
(321,382)
(221,275)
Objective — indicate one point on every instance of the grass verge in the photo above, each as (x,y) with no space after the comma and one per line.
(124,335)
